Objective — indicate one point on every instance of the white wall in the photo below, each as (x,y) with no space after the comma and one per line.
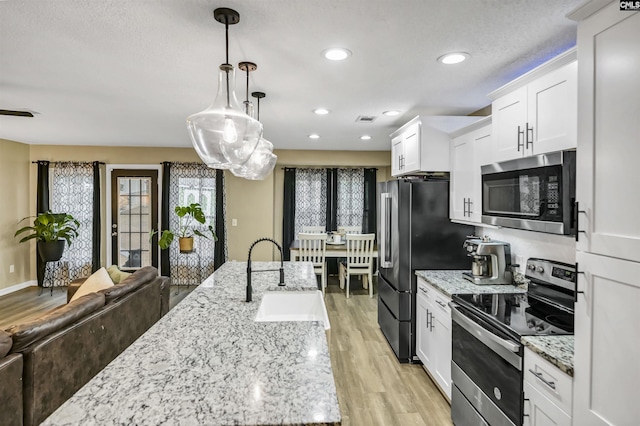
(533,244)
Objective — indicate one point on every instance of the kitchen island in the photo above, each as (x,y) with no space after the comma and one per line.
(208,362)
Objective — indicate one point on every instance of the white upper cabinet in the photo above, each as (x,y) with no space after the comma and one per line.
(419,147)
(536,113)
(608,178)
(468,150)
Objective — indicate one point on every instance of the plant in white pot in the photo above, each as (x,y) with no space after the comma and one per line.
(51,231)
(190,218)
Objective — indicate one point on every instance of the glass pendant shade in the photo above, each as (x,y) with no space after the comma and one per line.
(260,164)
(223,135)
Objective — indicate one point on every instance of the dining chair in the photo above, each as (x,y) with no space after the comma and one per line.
(312,249)
(349,229)
(314,229)
(359,261)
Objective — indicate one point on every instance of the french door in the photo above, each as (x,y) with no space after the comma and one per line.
(134,215)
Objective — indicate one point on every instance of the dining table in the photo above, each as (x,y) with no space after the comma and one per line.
(332,249)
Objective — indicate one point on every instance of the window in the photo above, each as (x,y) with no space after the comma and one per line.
(350,197)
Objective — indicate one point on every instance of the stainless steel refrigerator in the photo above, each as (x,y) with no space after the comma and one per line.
(414,233)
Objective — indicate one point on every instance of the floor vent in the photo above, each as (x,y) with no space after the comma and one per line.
(366,119)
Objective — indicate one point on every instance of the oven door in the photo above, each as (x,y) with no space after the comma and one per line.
(486,370)
(535,193)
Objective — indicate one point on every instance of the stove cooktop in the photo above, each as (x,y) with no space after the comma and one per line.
(518,313)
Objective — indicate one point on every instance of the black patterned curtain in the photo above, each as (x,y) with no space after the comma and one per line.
(220,251)
(72,192)
(165,267)
(369,225)
(42,205)
(194,183)
(310,198)
(96,220)
(289,211)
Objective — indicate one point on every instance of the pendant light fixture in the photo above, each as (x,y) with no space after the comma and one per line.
(263,160)
(223,135)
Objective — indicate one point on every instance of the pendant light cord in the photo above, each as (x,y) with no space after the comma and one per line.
(226,37)
(258,109)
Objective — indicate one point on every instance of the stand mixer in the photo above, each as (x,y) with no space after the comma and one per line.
(491,261)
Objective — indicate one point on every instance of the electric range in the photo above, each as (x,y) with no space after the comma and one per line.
(487,355)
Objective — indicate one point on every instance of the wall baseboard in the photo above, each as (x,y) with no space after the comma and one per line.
(17,287)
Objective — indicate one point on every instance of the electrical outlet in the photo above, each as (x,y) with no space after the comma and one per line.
(12,269)
(521,261)
(234,222)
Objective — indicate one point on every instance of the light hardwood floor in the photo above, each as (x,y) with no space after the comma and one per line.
(373,387)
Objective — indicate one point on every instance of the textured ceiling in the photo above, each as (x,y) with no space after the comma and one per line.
(128,73)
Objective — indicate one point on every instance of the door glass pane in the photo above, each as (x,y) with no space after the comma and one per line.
(134,222)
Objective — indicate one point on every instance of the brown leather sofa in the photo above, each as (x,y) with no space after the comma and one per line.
(10,383)
(66,347)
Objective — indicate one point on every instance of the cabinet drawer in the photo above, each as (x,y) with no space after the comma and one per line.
(540,410)
(558,387)
(441,302)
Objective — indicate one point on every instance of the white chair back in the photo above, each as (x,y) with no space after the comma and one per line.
(360,250)
(349,229)
(314,230)
(312,248)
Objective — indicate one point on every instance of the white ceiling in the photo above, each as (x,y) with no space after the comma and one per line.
(128,73)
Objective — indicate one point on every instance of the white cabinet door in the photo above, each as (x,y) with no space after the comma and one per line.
(540,411)
(608,178)
(552,111)
(461,176)
(481,140)
(396,155)
(411,147)
(442,371)
(607,343)
(422,329)
(509,115)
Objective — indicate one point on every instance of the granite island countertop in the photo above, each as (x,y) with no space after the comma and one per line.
(558,350)
(207,362)
(452,282)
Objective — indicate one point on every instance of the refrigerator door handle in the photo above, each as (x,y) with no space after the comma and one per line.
(385,258)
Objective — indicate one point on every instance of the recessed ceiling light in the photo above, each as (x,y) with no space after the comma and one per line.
(321,111)
(314,136)
(391,113)
(336,54)
(453,58)
(365,137)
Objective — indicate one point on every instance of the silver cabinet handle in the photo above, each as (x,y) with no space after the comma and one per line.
(444,305)
(520,144)
(551,384)
(529,131)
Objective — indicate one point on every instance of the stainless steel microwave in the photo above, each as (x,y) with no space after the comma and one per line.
(535,193)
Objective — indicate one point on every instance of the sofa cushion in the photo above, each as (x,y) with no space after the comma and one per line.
(131,283)
(116,274)
(25,334)
(97,281)
(5,343)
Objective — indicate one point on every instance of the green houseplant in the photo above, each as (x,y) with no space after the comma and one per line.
(50,230)
(189,217)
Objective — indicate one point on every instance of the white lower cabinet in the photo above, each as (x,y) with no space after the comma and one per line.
(547,392)
(433,334)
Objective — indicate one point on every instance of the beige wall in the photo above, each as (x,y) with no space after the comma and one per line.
(14,193)
(256,205)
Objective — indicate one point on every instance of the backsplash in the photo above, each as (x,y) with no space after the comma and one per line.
(533,244)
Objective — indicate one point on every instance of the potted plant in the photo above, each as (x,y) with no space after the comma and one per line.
(189,217)
(50,230)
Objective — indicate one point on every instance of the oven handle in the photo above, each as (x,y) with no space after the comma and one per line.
(510,350)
